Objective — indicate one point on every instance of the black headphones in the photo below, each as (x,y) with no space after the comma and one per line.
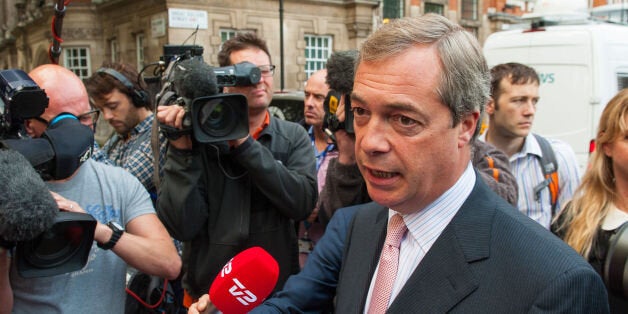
(138,97)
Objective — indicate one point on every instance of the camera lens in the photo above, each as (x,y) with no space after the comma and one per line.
(57,245)
(217,118)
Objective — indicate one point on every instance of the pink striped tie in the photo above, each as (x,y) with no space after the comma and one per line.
(388,263)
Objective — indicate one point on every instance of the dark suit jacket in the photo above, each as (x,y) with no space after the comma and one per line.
(489,259)
(313,289)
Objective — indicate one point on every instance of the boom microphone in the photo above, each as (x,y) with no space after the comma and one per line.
(194,78)
(26,206)
(340,70)
(245,281)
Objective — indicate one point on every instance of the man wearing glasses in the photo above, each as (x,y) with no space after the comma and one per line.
(121,98)
(222,198)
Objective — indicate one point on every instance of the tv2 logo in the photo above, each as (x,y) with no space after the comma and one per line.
(242,294)
(238,290)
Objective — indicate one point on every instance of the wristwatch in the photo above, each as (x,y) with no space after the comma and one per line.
(117,233)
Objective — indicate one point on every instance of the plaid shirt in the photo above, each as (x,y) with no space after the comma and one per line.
(135,154)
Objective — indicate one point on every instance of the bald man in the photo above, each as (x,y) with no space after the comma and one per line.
(316,89)
(128,231)
(72,98)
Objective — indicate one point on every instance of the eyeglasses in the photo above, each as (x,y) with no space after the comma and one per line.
(89,117)
(42,120)
(267,70)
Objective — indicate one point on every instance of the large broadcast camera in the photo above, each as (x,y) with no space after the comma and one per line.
(20,98)
(189,82)
(48,242)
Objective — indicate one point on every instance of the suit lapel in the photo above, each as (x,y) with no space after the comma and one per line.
(444,277)
(367,233)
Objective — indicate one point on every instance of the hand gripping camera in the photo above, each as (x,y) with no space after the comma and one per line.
(191,83)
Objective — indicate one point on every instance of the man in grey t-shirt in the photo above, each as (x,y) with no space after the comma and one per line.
(109,194)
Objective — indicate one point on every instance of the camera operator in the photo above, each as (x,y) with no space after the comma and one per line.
(222,198)
(128,230)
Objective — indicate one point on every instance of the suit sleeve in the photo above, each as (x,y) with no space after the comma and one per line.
(579,290)
(313,289)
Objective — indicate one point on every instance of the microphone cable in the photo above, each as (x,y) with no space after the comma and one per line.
(142,302)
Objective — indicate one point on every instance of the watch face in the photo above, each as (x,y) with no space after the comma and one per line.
(115,225)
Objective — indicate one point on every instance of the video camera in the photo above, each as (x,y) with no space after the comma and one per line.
(25,213)
(20,98)
(189,82)
(330,121)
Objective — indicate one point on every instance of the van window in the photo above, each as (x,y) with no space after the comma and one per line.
(622,81)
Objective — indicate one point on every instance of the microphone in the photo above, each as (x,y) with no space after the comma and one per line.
(194,78)
(26,207)
(341,70)
(340,73)
(245,281)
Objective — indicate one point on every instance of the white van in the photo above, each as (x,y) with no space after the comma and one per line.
(581,68)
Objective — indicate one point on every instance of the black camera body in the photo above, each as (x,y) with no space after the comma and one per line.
(330,121)
(20,98)
(210,115)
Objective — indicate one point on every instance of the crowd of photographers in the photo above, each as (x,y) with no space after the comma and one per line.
(202,172)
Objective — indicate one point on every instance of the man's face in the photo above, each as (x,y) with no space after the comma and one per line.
(118,110)
(35,127)
(259,95)
(315,92)
(512,114)
(406,148)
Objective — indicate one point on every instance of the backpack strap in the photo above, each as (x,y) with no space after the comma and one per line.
(550,172)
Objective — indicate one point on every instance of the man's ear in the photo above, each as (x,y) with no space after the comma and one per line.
(490,106)
(467,127)
(28,126)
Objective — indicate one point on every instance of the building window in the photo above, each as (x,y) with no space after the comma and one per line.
(77,60)
(472,30)
(470,9)
(226,34)
(113,45)
(434,8)
(393,9)
(139,45)
(317,50)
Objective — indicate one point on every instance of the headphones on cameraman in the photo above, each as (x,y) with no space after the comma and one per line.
(138,97)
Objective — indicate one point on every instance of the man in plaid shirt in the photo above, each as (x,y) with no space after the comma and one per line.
(122,100)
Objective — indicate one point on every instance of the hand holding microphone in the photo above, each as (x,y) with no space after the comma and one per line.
(243,283)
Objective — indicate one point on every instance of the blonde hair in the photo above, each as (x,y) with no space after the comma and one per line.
(594,197)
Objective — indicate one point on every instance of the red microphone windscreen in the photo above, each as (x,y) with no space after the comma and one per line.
(245,281)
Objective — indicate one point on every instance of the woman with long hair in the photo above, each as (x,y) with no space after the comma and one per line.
(600,204)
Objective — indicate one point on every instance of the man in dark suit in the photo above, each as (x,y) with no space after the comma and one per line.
(420,87)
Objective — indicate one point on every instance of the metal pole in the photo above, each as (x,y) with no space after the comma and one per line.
(55,49)
(281,42)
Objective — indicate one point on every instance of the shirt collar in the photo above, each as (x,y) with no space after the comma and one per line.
(259,130)
(140,128)
(530,147)
(614,218)
(427,224)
